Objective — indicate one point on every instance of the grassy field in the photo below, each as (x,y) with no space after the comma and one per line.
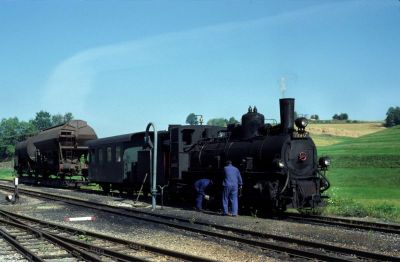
(365,173)
(345,129)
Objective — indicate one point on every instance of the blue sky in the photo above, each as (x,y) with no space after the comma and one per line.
(120,64)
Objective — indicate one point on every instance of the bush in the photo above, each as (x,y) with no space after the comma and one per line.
(392,117)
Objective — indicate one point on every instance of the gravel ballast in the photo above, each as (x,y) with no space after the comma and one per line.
(191,243)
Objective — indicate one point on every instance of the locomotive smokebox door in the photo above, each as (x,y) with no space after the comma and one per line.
(143,165)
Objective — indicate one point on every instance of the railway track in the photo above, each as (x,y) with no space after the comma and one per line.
(38,240)
(36,245)
(319,220)
(50,182)
(345,223)
(294,247)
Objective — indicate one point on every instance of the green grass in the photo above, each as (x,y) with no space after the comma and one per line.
(365,175)
(383,143)
(326,140)
(92,187)
(6,173)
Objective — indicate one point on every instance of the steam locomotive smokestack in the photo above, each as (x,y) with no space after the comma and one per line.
(287,114)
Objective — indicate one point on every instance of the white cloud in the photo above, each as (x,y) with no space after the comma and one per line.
(72,82)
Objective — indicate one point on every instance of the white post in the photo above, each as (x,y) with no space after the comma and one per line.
(16,194)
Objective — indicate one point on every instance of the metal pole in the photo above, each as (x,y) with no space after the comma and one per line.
(154,169)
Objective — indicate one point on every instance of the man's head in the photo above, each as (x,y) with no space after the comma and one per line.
(228,162)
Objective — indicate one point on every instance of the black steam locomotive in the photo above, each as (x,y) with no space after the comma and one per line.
(278,163)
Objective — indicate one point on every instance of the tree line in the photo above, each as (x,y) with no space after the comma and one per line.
(392,118)
(193,119)
(12,130)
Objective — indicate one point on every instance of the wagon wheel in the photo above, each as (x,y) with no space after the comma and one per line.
(105,187)
(129,192)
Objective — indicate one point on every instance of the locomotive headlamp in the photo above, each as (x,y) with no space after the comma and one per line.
(301,122)
(324,161)
(279,163)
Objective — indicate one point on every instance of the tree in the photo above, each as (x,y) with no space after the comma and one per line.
(68,117)
(57,119)
(42,120)
(342,116)
(13,131)
(8,136)
(392,117)
(217,122)
(314,117)
(222,121)
(26,129)
(232,120)
(191,119)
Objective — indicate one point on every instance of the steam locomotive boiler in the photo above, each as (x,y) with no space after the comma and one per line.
(59,151)
(278,163)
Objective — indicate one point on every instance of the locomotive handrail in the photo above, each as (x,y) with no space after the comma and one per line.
(286,183)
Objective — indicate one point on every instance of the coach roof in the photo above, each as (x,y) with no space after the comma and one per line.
(116,139)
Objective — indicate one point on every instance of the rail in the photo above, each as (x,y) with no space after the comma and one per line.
(305,248)
(56,233)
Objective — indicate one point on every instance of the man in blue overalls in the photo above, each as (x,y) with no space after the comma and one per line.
(231,183)
(200,186)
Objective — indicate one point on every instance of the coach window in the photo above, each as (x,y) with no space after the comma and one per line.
(130,159)
(92,158)
(100,156)
(108,154)
(118,154)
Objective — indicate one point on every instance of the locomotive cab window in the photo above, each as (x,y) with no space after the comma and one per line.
(187,136)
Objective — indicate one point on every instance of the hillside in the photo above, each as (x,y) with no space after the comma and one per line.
(329,134)
(345,129)
(365,172)
(379,149)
